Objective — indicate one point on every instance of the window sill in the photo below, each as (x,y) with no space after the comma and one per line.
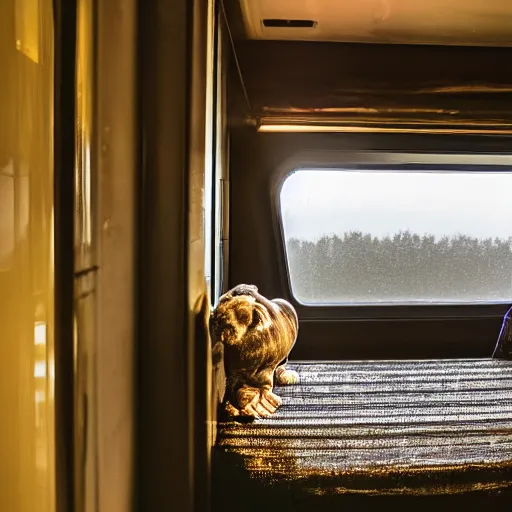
(433,428)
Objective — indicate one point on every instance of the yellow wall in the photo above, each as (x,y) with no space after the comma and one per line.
(26,259)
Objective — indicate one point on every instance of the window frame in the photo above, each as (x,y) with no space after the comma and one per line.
(385,161)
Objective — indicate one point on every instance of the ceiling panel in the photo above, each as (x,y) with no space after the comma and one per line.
(447,22)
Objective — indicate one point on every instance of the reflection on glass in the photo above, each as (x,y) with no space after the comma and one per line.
(27,479)
(40,369)
(40,333)
(41,385)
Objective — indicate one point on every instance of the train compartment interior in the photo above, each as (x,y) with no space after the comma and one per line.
(350,157)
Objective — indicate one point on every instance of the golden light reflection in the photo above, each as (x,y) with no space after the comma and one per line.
(40,394)
(40,369)
(348,128)
(27,14)
(40,333)
(26,270)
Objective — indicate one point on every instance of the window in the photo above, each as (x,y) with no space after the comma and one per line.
(407,236)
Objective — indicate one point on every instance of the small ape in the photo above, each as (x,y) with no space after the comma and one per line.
(258,335)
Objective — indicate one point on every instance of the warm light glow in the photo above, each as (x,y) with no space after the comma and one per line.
(318,128)
(52,243)
(51,370)
(40,333)
(40,369)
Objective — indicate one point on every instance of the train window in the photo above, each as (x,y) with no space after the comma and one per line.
(398,237)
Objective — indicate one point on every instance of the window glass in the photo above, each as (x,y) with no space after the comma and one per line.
(398,237)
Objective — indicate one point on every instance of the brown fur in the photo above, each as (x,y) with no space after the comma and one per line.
(258,335)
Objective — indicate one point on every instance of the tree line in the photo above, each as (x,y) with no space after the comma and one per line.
(359,267)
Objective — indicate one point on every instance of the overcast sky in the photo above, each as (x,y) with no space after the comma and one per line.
(320,202)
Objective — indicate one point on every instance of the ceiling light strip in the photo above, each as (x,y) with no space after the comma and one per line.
(477,129)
